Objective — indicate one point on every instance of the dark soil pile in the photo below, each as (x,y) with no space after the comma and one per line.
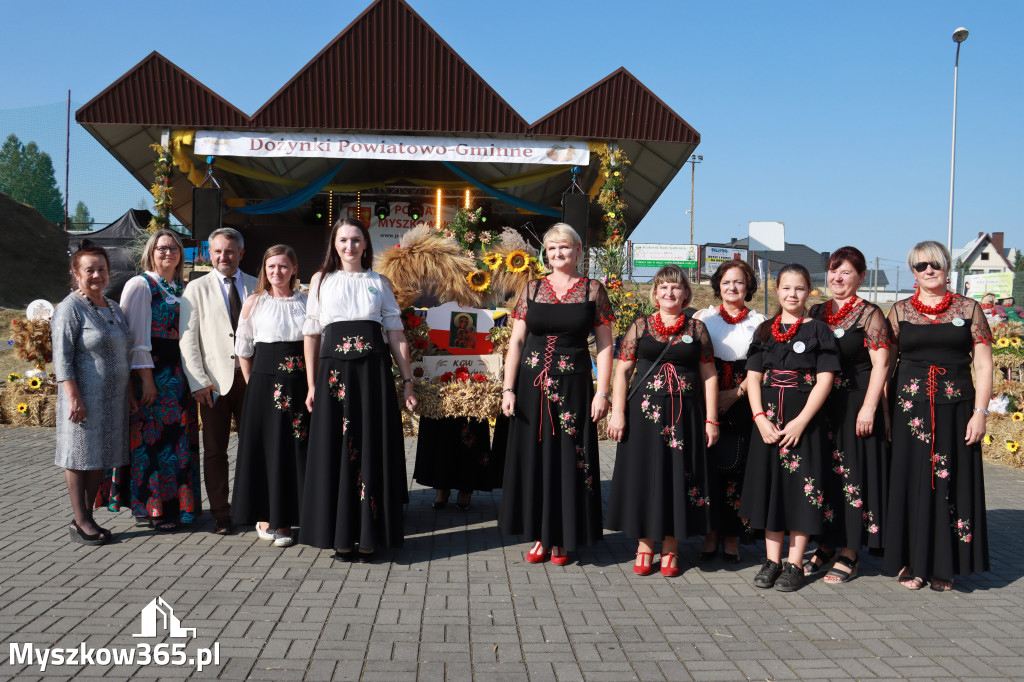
(33,256)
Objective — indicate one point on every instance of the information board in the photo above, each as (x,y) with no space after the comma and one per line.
(656,255)
(716,255)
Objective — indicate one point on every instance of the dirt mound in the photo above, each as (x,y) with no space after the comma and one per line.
(33,256)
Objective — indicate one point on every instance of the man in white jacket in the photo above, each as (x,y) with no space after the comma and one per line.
(210,309)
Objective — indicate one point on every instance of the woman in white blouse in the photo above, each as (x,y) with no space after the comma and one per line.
(355,476)
(274,427)
(731,325)
(162,484)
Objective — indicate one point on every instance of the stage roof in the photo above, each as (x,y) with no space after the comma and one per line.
(420,86)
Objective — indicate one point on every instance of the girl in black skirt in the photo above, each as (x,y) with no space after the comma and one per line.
(663,486)
(274,427)
(790,369)
(355,475)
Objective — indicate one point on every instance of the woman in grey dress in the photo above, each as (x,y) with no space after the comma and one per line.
(91,348)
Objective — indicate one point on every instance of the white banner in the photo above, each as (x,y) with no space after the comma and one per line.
(716,255)
(391,148)
(656,255)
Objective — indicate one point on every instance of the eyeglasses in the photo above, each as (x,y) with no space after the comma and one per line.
(166,249)
(923,265)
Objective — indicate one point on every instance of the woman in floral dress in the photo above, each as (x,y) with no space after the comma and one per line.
(858,418)
(935,523)
(271,466)
(790,369)
(662,483)
(355,484)
(731,325)
(552,484)
(164,436)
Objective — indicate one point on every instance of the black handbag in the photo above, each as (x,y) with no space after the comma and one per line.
(730,452)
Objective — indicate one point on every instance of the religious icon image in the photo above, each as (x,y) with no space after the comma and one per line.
(462,331)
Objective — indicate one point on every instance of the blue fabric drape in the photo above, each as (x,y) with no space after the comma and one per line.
(524,204)
(293,200)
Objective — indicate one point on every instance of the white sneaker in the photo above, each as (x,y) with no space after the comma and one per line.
(283,540)
(264,534)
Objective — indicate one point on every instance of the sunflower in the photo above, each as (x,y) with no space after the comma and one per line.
(1018,417)
(35,382)
(1011,445)
(987,440)
(493,260)
(1003,342)
(479,280)
(518,261)
(1015,342)
(13,378)
(23,408)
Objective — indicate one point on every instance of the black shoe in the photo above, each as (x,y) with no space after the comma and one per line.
(463,506)
(731,558)
(224,527)
(441,499)
(365,557)
(80,536)
(707,556)
(347,555)
(769,573)
(791,579)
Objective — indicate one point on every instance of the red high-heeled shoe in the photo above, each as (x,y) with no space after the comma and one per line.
(644,567)
(669,564)
(537,554)
(559,556)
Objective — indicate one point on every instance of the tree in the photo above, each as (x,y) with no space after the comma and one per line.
(26,175)
(1018,264)
(81,219)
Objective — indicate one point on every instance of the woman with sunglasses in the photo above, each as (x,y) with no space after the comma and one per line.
(935,523)
(857,417)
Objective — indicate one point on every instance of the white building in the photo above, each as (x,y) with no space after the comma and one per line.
(985,254)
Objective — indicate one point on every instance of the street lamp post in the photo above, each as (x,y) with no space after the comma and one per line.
(694,160)
(959,36)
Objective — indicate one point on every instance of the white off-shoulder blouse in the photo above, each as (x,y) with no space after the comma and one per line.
(271,320)
(346,296)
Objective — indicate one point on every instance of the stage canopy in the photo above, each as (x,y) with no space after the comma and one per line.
(388,77)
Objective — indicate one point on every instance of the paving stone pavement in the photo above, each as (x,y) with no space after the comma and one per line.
(459,601)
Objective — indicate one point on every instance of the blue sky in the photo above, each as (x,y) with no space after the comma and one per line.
(834,118)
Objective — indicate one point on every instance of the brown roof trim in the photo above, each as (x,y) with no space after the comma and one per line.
(618,107)
(157,92)
(390,71)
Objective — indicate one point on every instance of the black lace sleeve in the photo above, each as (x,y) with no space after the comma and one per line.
(707,348)
(627,351)
(877,330)
(604,305)
(893,319)
(980,331)
(519,312)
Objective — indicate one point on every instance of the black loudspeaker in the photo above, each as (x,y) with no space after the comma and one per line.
(576,213)
(206,212)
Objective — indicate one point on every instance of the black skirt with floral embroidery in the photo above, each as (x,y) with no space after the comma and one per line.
(935,521)
(274,428)
(455,454)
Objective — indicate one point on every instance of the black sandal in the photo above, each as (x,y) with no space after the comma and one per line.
(812,568)
(163,525)
(843,576)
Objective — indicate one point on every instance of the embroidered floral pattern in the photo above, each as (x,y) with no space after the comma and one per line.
(533,359)
(696,498)
(790,459)
(337,388)
(353,344)
(912,388)
(963,530)
(940,463)
(581,464)
(564,364)
(869,522)
(299,427)
(659,383)
(669,434)
(840,381)
(817,499)
(292,363)
(769,411)
(568,420)
(809,378)
(951,391)
(650,411)
(281,401)
(917,428)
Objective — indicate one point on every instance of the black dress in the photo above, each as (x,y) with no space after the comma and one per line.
(788,488)
(935,522)
(355,468)
(662,485)
(861,463)
(455,453)
(271,466)
(552,483)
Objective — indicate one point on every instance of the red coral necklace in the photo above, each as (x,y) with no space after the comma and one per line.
(729,318)
(843,311)
(662,330)
(777,332)
(937,309)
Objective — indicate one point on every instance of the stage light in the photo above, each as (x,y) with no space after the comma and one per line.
(382,209)
(415,209)
(468,201)
(437,210)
